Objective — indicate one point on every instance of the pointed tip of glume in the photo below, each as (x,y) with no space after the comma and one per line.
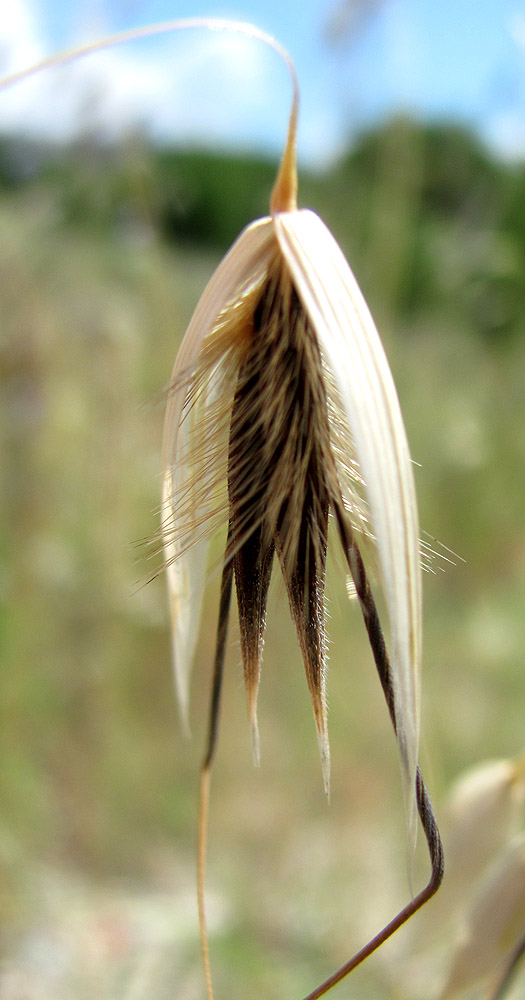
(326,777)
(183,704)
(324,750)
(184,716)
(256,743)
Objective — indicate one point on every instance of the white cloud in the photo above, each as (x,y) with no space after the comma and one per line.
(516,24)
(505,133)
(20,43)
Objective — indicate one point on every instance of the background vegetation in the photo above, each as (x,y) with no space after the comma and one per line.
(105,252)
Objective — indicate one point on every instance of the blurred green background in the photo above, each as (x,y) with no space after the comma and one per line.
(105,252)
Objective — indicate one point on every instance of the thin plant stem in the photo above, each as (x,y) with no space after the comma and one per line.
(436,857)
(510,971)
(211,747)
(204,798)
(424,807)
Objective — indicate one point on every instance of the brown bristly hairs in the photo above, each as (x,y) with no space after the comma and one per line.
(282,414)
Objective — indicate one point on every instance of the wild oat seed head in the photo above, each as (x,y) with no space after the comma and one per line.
(282,411)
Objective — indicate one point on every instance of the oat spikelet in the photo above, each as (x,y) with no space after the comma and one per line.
(282,410)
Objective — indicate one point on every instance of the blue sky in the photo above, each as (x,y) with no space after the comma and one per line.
(357,61)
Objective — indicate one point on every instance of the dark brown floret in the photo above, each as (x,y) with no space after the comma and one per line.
(278,481)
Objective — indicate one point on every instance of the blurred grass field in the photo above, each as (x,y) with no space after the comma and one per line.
(102,263)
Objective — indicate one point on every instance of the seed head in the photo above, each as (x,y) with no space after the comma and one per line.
(283,413)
